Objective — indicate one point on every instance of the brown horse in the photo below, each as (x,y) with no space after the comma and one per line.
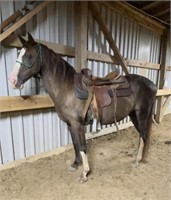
(58,78)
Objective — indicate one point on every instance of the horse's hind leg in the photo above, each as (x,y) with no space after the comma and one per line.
(78,161)
(142,119)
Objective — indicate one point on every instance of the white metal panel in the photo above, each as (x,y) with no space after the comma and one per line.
(6,139)
(17,134)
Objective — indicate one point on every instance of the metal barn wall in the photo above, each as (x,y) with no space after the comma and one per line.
(30,132)
(168,73)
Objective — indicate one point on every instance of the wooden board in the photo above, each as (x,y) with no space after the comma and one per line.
(64,50)
(142,64)
(21,103)
(166,104)
(163,92)
(23,20)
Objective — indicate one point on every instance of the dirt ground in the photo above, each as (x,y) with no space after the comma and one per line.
(112,177)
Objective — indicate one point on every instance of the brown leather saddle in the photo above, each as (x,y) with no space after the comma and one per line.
(100,91)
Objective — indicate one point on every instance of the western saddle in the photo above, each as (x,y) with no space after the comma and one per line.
(99,92)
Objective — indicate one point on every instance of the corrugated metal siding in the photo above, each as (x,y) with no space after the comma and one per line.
(31,132)
(168,73)
(27,133)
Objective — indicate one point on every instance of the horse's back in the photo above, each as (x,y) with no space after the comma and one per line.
(141,87)
(144,92)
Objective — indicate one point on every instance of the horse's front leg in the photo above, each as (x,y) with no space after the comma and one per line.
(86,168)
(78,136)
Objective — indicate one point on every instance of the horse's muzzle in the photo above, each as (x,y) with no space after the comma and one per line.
(16,85)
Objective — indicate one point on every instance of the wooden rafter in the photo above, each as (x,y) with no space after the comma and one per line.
(140,17)
(108,36)
(23,20)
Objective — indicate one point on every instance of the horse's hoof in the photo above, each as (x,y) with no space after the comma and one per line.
(82,179)
(74,166)
(72,169)
(135,164)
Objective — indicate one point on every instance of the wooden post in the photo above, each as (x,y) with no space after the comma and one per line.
(81,34)
(108,36)
(159,112)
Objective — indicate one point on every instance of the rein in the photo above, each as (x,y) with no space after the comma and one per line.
(38,53)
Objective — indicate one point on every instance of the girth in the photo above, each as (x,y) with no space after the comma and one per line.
(100,92)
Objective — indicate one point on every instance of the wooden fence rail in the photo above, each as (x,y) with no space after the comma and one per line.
(22,103)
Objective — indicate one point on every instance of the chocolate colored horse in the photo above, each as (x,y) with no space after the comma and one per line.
(58,78)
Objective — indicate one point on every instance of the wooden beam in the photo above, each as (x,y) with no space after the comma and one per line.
(168,68)
(13,42)
(101,57)
(163,53)
(10,20)
(108,36)
(163,92)
(81,17)
(23,20)
(59,48)
(142,64)
(166,104)
(137,15)
(64,50)
(150,5)
(21,103)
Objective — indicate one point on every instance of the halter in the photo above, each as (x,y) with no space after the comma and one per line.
(39,52)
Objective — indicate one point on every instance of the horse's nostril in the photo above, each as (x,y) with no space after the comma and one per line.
(12,82)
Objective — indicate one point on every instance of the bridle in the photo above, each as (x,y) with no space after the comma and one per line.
(38,53)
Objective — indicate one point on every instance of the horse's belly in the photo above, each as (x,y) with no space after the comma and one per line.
(123,109)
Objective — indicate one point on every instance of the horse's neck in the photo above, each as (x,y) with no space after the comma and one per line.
(57,75)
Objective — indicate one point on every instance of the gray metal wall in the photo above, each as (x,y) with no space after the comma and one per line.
(30,132)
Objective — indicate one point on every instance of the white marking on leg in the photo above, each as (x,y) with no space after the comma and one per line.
(140,151)
(86,167)
(14,73)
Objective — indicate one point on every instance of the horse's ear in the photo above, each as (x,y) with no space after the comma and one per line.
(22,40)
(30,39)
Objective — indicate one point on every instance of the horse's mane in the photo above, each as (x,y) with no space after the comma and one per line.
(57,66)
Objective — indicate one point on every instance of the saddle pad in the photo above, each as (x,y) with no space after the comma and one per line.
(80,92)
(120,92)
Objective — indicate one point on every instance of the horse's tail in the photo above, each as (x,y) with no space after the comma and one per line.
(148,133)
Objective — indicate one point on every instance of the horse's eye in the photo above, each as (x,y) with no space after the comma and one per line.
(29,56)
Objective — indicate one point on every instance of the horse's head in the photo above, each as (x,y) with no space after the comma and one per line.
(28,62)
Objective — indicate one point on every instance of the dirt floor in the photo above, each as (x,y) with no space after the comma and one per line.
(112,177)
